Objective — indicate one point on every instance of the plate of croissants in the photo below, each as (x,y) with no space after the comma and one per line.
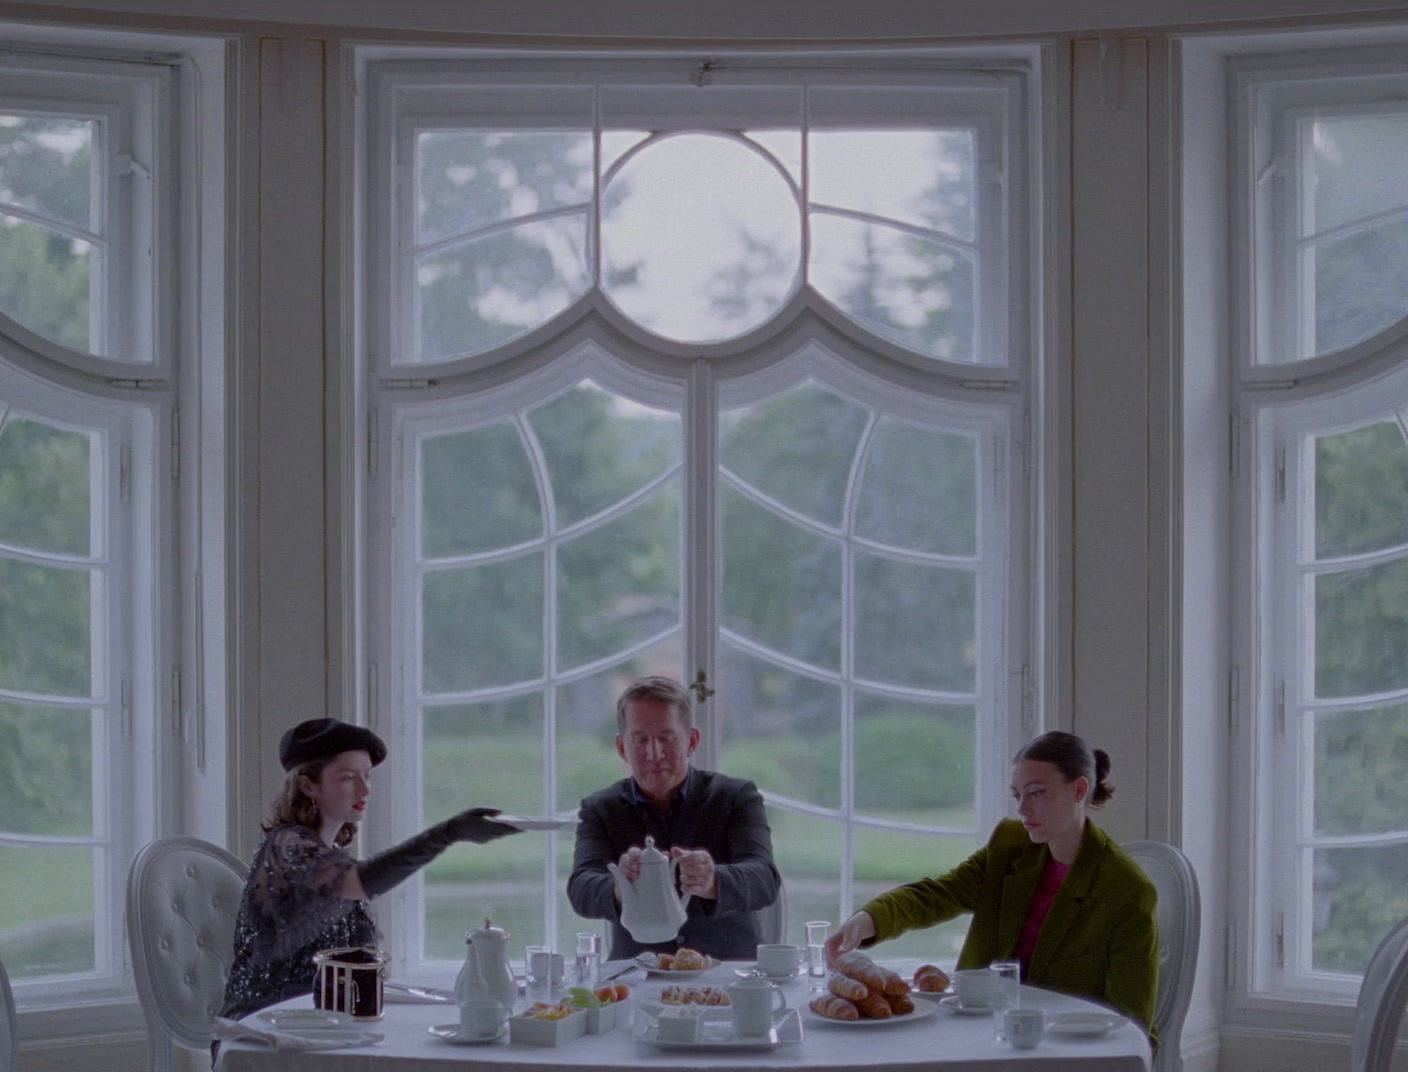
(861,993)
(681,964)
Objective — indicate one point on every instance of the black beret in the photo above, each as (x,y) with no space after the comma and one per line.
(323,738)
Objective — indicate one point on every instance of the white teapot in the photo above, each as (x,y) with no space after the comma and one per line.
(486,975)
(651,908)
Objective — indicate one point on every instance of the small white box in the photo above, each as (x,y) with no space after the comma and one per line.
(604,1018)
(532,1032)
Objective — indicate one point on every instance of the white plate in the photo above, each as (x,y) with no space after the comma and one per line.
(952,1002)
(318,1019)
(534,822)
(652,966)
(717,1034)
(451,1033)
(752,971)
(653,1009)
(922,1008)
(1083,1024)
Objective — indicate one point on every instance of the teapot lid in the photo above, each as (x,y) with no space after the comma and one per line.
(650,854)
(486,931)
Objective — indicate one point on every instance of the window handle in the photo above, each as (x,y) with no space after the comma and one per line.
(702,691)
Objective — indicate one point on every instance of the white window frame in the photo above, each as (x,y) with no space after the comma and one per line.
(154,393)
(411,82)
(1276,404)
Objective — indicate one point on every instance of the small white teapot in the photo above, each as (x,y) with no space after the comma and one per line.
(651,908)
(486,975)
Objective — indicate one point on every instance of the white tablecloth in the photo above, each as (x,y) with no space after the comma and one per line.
(945,1041)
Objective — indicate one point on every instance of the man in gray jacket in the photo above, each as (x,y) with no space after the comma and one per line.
(716,826)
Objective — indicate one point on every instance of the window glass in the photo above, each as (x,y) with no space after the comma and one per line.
(49,246)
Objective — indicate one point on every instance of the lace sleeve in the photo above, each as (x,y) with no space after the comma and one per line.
(295,890)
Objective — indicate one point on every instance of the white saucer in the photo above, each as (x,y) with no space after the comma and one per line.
(952,1002)
(1083,1024)
(451,1033)
(755,972)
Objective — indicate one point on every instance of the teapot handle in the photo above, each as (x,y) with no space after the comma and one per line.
(675,877)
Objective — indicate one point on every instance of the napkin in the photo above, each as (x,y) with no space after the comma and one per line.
(333,1038)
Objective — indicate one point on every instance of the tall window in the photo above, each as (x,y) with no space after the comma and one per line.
(713,369)
(87,531)
(1324,397)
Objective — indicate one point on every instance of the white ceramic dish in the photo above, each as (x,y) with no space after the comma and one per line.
(304,1019)
(652,967)
(717,1033)
(923,1009)
(451,1033)
(534,822)
(1084,1025)
(406,994)
(952,1002)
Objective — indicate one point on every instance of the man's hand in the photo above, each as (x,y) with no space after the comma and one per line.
(849,936)
(696,872)
(629,863)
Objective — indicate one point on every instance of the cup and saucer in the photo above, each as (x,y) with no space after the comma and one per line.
(776,962)
(972,993)
(481,1022)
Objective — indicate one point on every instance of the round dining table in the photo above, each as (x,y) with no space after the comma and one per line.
(937,1039)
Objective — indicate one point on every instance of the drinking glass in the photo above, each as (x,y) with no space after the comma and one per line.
(1006,992)
(588,957)
(817,930)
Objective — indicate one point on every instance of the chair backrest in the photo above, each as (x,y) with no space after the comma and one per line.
(1381,999)
(772,920)
(9,1025)
(1180,921)
(182,898)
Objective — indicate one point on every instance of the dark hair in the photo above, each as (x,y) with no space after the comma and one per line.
(293,805)
(661,689)
(1069,754)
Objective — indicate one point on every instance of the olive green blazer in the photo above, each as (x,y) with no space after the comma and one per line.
(1100,939)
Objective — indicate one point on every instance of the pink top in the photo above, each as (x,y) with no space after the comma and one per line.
(1051,880)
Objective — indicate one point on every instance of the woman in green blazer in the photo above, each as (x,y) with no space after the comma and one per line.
(1049,889)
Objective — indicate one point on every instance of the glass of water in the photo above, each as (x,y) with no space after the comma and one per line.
(817,930)
(588,957)
(1006,991)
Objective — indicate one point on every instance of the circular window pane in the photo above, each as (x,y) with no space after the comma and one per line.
(700,237)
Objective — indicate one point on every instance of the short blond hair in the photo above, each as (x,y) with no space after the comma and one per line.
(662,690)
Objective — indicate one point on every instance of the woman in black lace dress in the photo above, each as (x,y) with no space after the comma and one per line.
(305,893)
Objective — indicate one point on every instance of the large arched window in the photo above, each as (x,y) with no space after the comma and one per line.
(712,368)
(1322,396)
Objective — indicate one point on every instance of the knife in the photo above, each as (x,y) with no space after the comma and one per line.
(617,974)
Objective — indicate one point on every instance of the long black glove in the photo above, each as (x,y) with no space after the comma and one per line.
(388,869)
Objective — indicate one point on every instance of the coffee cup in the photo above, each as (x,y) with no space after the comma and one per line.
(1024,1027)
(753,1002)
(780,961)
(973,987)
(482,1019)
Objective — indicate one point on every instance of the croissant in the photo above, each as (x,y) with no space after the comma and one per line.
(834,1008)
(861,968)
(874,1007)
(688,960)
(843,986)
(930,979)
(899,1003)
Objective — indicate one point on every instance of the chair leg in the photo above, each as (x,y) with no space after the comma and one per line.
(159,1052)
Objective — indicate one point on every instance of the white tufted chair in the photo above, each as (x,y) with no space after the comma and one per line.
(1382,996)
(182,898)
(9,1026)
(1180,921)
